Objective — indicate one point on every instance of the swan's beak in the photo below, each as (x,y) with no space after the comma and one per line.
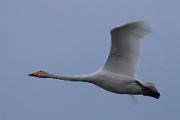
(30,74)
(39,74)
(34,74)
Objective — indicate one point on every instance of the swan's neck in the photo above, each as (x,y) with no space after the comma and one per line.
(69,77)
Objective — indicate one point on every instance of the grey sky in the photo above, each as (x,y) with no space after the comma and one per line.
(72,37)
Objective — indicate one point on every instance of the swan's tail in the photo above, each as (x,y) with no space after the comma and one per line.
(149,89)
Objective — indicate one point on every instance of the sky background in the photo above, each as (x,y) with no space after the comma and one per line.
(72,37)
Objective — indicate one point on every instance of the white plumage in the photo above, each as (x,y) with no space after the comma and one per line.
(118,75)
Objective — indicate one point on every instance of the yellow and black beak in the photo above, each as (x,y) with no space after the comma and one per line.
(31,74)
(34,74)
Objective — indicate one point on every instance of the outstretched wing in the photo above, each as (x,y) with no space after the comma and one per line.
(124,53)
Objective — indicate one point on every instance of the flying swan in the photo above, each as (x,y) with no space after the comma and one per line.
(118,75)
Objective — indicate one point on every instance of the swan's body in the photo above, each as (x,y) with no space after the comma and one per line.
(118,75)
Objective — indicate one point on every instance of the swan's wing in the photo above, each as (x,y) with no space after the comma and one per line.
(124,53)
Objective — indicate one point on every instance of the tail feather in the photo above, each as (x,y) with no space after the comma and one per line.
(149,89)
(150,92)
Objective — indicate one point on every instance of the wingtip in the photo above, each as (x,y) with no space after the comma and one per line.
(136,25)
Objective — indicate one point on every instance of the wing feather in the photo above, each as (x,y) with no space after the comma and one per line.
(125,44)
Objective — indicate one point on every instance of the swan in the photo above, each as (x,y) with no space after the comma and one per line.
(118,75)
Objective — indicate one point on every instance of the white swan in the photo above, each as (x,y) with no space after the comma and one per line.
(118,75)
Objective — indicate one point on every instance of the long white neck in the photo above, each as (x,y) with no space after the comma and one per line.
(83,78)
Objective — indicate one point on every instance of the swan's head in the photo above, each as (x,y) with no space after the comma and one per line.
(40,74)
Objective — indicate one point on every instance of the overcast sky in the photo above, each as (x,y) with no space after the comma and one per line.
(72,37)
